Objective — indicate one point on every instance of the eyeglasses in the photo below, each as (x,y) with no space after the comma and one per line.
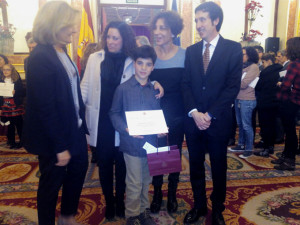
(6,69)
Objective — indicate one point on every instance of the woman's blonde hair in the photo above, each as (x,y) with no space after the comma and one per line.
(50,19)
(14,74)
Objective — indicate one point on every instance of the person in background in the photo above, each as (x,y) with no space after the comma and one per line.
(211,82)
(134,95)
(260,51)
(12,108)
(289,95)
(54,126)
(284,61)
(105,70)
(168,71)
(267,102)
(246,102)
(31,45)
(142,40)
(3,61)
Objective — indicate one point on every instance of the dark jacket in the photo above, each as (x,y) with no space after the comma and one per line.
(215,91)
(19,92)
(50,125)
(266,87)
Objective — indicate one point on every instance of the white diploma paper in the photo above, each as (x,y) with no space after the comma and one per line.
(146,122)
(6,89)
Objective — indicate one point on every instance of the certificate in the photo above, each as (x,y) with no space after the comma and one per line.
(6,89)
(146,122)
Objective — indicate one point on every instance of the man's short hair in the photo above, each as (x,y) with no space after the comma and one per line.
(144,52)
(268,56)
(214,11)
(259,48)
(283,52)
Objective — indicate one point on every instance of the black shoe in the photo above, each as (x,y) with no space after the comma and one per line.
(157,200)
(172,203)
(194,215)
(18,145)
(278,161)
(265,153)
(288,164)
(231,142)
(12,146)
(110,212)
(217,218)
(260,144)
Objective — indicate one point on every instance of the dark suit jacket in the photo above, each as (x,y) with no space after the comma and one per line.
(215,91)
(51,125)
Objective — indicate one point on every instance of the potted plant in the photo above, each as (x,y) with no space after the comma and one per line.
(252,9)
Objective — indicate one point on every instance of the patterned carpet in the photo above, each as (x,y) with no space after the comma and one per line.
(256,194)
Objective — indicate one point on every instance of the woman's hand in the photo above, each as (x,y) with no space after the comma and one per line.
(160,88)
(63,158)
(13,92)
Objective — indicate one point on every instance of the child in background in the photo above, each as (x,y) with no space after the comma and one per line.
(136,94)
(11,107)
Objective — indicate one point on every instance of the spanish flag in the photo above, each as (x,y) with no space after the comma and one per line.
(86,34)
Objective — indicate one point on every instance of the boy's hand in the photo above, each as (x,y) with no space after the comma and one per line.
(161,135)
(135,136)
(160,88)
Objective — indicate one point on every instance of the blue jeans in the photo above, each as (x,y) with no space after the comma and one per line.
(243,112)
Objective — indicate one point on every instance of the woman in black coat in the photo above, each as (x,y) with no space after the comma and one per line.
(55,124)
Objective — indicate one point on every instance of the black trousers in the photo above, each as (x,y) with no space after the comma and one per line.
(15,122)
(267,121)
(198,143)
(70,178)
(288,112)
(175,137)
(107,158)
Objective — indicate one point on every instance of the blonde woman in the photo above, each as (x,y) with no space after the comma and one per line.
(55,124)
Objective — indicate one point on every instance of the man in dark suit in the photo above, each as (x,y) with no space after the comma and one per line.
(210,86)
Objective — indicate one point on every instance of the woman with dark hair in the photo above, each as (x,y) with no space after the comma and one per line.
(168,71)
(246,102)
(3,61)
(289,95)
(105,70)
(267,102)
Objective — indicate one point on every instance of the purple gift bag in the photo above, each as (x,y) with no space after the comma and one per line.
(164,162)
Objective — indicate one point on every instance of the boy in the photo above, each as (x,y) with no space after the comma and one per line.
(136,94)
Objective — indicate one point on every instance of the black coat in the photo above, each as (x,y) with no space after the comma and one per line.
(266,87)
(50,125)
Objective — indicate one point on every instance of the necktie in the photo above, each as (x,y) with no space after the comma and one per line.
(206,57)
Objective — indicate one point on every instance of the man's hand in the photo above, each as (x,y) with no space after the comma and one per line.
(160,88)
(63,158)
(202,120)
